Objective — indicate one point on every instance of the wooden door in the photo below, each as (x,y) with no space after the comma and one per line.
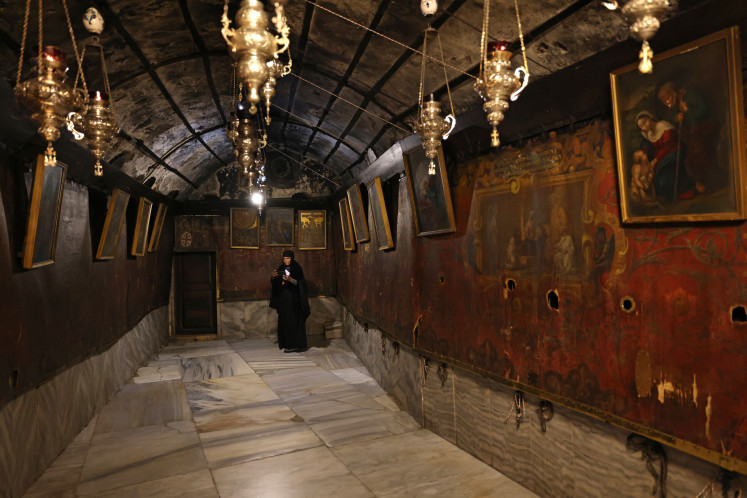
(196,309)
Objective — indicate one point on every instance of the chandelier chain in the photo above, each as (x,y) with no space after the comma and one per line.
(483,36)
(317,6)
(75,49)
(23,41)
(348,102)
(41,22)
(446,78)
(521,37)
(422,75)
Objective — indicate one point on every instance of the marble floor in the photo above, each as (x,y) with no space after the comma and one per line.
(245,419)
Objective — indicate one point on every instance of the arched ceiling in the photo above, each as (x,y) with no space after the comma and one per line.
(350,90)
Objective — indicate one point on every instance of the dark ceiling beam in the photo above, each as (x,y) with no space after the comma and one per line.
(317,128)
(530,36)
(140,146)
(112,18)
(204,55)
(303,41)
(376,88)
(362,45)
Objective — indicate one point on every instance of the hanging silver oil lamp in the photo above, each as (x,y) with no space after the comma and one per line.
(432,128)
(645,19)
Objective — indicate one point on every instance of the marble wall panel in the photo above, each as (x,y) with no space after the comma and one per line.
(255,319)
(438,405)
(473,420)
(37,426)
(577,456)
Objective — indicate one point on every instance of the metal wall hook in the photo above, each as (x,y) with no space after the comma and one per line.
(545,412)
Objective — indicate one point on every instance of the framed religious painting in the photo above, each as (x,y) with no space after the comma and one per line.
(244,228)
(429,194)
(140,235)
(155,235)
(47,187)
(279,226)
(360,224)
(312,229)
(115,216)
(378,213)
(346,222)
(679,134)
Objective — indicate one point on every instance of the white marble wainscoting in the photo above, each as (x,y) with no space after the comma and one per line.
(38,425)
(577,456)
(266,423)
(255,319)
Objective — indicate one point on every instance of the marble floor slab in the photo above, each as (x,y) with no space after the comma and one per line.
(242,418)
(213,367)
(304,474)
(228,391)
(420,463)
(133,456)
(166,402)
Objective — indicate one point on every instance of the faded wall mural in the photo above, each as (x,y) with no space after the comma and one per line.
(644,323)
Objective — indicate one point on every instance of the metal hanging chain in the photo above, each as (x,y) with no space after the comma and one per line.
(422,75)
(317,6)
(352,104)
(107,88)
(75,48)
(23,41)
(521,37)
(483,36)
(446,78)
(41,45)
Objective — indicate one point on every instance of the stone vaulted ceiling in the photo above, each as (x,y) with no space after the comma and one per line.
(170,76)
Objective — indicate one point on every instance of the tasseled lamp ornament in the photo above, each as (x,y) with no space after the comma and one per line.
(497,83)
(431,126)
(47,92)
(644,17)
(96,122)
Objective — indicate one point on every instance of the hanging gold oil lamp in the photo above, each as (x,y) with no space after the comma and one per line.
(48,93)
(96,122)
(497,83)
(252,45)
(645,18)
(430,125)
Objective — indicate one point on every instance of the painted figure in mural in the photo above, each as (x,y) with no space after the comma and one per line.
(697,132)
(666,156)
(642,179)
(603,255)
(290,301)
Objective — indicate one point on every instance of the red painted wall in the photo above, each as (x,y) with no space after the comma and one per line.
(683,279)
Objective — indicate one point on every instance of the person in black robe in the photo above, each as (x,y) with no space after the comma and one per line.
(289,300)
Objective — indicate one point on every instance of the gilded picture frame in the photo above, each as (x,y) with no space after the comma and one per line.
(379,214)
(279,226)
(155,236)
(679,134)
(140,235)
(115,216)
(430,197)
(244,229)
(312,230)
(346,222)
(47,188)
(358,214)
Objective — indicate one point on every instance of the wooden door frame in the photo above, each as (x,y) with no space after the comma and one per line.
(177,299)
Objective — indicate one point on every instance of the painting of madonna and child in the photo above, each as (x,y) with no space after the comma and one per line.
(678,133)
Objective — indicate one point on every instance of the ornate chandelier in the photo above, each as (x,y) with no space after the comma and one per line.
(96,122)
(253,46)
(47,93)
(497,83)
(431,126)
(644,17)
